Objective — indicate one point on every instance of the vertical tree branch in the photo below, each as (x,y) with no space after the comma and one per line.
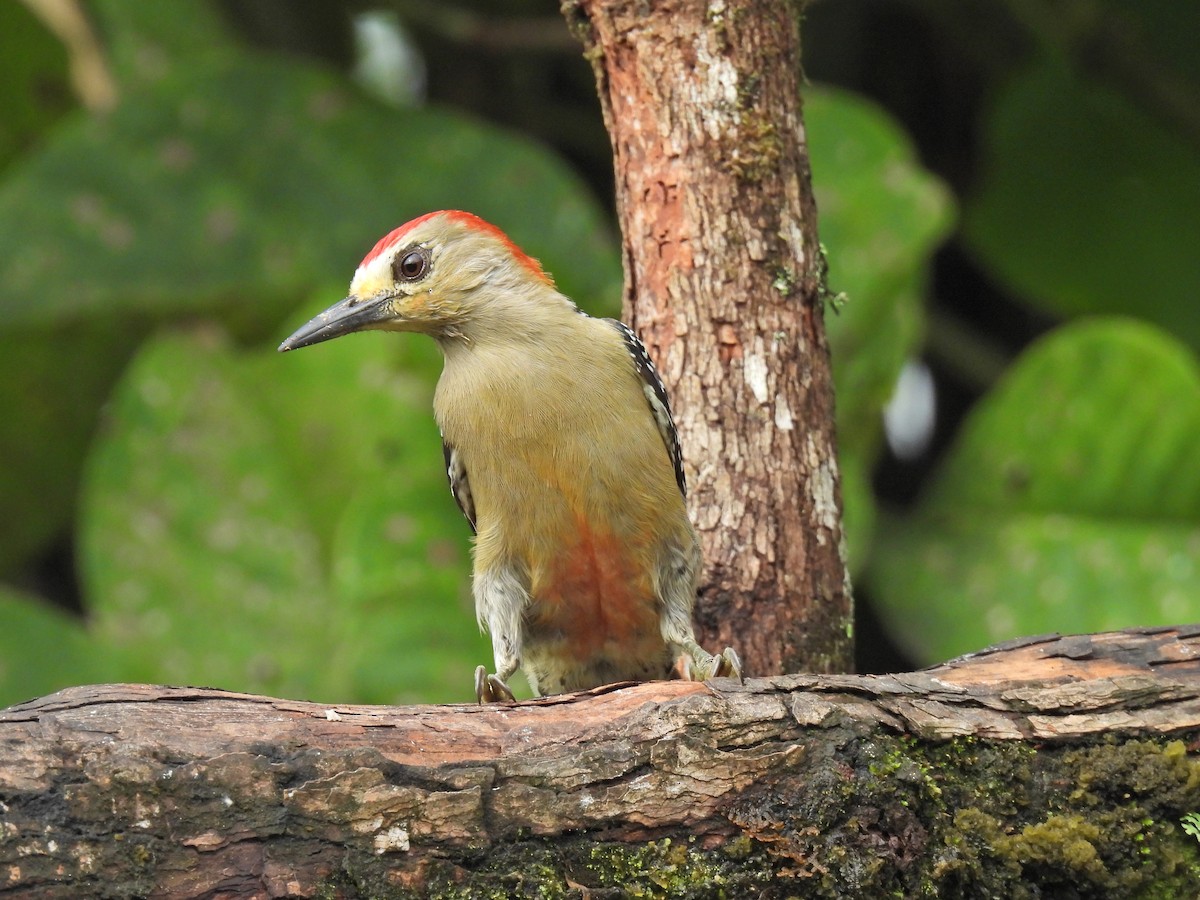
(722,282)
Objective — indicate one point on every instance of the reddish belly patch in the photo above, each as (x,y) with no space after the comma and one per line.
(595,597)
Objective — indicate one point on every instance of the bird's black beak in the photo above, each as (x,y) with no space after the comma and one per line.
(345,316)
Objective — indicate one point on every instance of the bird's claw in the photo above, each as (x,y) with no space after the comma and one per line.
(490,688)
(726,664)
(729,665)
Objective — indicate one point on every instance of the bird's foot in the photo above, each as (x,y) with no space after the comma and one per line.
(726,664)
(491,688)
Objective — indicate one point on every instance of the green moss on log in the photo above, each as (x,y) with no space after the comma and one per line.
(886,817)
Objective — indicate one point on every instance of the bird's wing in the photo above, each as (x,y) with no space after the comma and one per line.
(656,396)
(459,486)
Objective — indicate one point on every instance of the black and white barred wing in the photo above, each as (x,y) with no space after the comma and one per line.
(460,487)
(656,396)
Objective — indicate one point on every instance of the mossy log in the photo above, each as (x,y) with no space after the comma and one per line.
(1054,766)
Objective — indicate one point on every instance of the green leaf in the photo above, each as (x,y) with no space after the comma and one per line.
(235,185)
(145,42)
(881,216)
(1089,204)
(197,555)
(280,523)
(316,403)
(1071,501)
(399,575)
(43,650)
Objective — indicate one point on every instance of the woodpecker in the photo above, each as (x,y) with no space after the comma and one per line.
(561,452)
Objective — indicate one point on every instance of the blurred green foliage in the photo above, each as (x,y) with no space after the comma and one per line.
(292,509)
(281,524)
(1088,203)
(1074,483)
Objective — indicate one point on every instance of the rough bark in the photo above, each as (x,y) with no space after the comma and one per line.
(722,283)
(1048,767)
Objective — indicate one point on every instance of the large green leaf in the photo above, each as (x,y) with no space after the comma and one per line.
(146,42)
(1089,204)
(197,553)
(43,650)
(280,524)
(237,184)
(1071,501)
(400,559)
(881,216)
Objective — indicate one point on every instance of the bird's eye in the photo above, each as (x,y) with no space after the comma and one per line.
(411,265)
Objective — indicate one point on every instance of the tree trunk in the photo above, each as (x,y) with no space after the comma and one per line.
(1050,767)
(722,283)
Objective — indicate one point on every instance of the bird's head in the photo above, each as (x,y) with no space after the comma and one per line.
(435,274)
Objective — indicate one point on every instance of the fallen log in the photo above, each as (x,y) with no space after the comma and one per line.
(1050,766)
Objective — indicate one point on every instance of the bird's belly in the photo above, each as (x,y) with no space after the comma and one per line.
(587,546)
(593,616)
